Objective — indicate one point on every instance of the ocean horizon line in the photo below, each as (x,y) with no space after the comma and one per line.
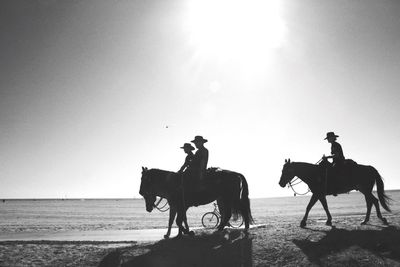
(137,198)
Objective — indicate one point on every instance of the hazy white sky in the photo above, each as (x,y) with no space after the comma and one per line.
(87,89)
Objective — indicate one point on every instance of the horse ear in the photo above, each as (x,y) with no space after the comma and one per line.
(285,160)
(288,160)
(144,169)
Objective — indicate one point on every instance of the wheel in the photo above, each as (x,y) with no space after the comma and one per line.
(236,223)
(210,220)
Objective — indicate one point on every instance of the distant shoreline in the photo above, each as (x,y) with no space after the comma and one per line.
(138,198)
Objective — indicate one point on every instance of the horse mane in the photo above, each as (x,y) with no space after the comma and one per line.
(159,171)
(304,164)
(305,167)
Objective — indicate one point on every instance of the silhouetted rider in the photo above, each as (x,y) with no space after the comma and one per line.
(336,150)
(337,157)
(200,159)
(187,148)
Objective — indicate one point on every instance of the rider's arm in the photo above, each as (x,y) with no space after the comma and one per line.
(182,168)
(185,165)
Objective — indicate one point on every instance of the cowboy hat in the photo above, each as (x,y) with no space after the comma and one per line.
(330,134)
(187,146)
(199,139)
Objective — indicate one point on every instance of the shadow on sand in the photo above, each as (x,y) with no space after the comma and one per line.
(229,248)
(384,243)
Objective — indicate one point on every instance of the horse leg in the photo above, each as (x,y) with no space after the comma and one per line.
(225,216)
(179,219)
(187,231)
(313,199)
(172,214)
(325,205)
(181,216)
(378,210)
(368,200)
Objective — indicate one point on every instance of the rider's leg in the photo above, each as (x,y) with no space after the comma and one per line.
(333,171)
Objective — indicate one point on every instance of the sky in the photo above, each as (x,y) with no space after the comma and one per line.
(91,91)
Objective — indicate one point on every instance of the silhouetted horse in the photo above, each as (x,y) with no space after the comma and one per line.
(361,178)
(230,188)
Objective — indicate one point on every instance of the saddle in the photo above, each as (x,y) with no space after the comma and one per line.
(347,164)
(212,170)
(193,184)
(338,174)
(350,162)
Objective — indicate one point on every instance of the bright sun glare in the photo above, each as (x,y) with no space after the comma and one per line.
(235,29)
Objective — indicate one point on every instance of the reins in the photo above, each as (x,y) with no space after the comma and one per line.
(164,207)
(297,181)
(291,184)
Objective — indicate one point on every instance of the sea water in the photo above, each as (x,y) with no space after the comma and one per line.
(57,215)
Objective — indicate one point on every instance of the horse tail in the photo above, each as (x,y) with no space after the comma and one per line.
(383,198)
(245,201)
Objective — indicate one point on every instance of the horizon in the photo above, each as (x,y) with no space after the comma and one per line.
(141,198)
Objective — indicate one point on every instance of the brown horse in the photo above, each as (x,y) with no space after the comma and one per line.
(229,188)
(361,178)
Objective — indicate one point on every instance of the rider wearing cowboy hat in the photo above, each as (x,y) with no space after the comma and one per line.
(200,159)
(336,156)
(188,149)
(336,149)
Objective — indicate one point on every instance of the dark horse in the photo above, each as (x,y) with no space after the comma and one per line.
(229,188)
(361,178)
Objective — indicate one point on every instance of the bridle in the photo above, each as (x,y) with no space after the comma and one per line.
(157,205)
(297,181)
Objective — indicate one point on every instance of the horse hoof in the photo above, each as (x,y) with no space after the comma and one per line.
(191,233)
(364,223)
(385,222)
(166,236)
(303,224)
(329,223)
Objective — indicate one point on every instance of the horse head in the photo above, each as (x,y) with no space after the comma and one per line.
(146,189)
(287,173)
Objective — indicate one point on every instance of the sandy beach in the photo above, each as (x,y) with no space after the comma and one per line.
(345,244)
(275,240)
